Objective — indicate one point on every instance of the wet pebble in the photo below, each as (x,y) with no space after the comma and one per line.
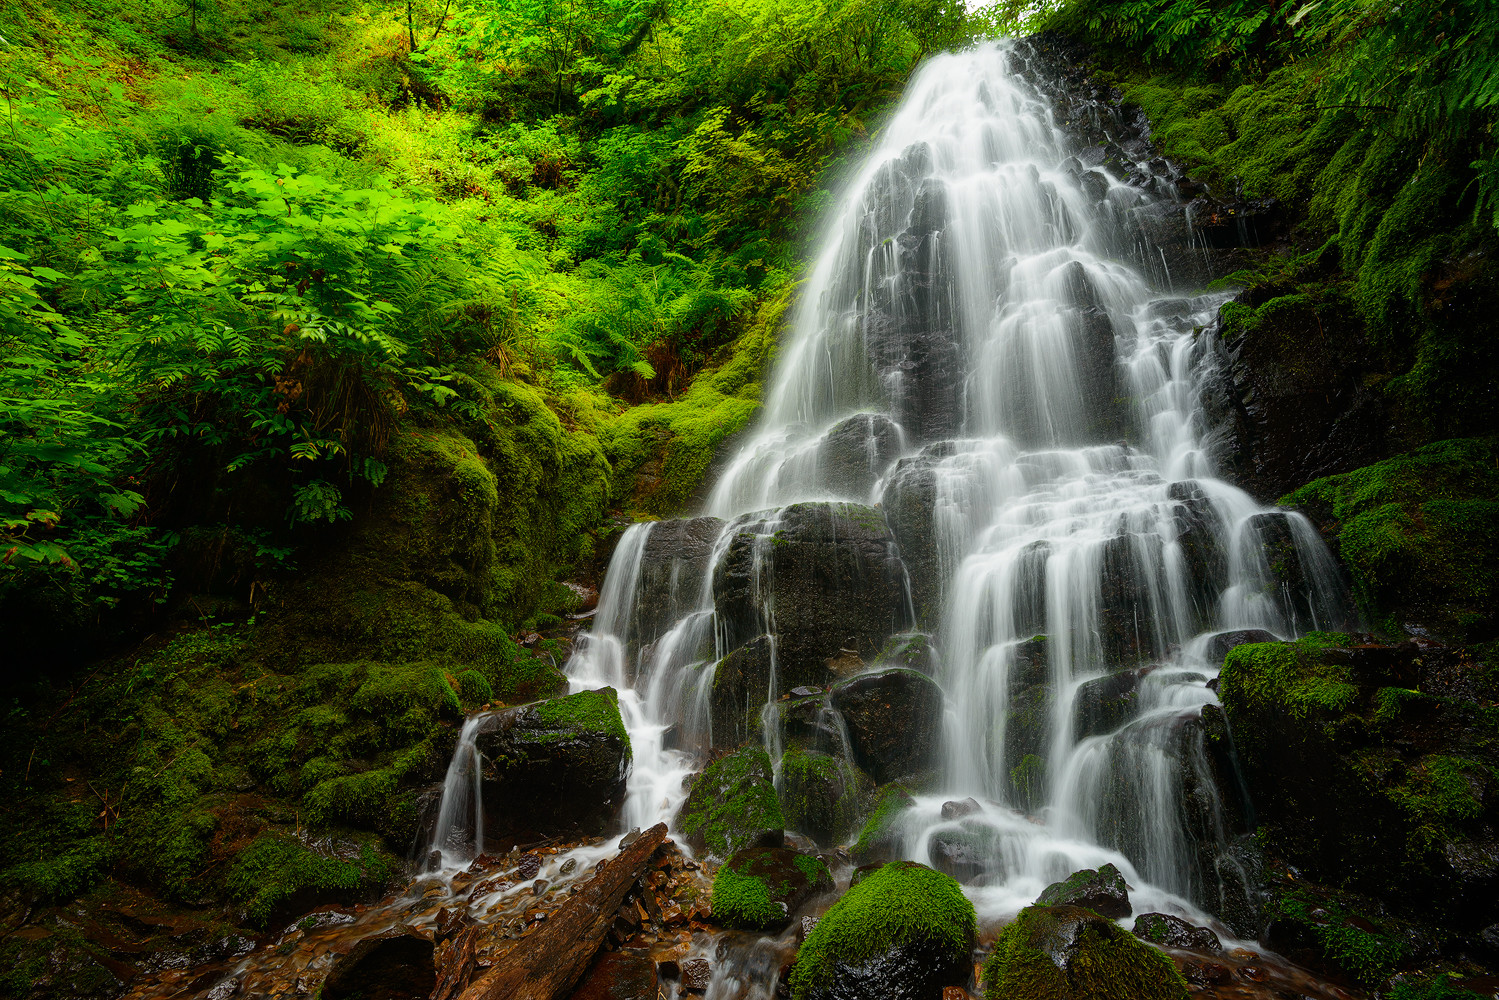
(569,865)
(539,887)
(697,974)
(528,867)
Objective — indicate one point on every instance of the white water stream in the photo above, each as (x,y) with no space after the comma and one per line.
(985,298)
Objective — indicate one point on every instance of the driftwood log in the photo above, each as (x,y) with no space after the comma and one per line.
(548,962)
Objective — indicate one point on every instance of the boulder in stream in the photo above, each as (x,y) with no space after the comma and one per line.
(904,932)
(733,805)
(894,722)
(832,574)
(1072,953)
(1173,932)
(820,795)
(558,766)
(1102,891)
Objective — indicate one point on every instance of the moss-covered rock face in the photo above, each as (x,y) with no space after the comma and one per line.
(904,932)
(1102,891)
(1071,953)
(556,767)
(761,888)
(661,452)
(820,795)
(880,837)
(733,805)
(1420,536)
(1170,931)
(1370,766)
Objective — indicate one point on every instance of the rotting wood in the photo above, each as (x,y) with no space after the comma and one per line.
(550,961)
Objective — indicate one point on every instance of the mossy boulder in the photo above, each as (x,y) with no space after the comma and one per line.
(1102,890)
(761,888)
(820,795)
(1419,534)
(558,766)
(1072,953)
(733,805)
(1170,931)
(880,839)
(904,932)
(894,720)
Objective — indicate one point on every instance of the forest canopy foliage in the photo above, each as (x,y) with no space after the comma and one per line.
(244,242)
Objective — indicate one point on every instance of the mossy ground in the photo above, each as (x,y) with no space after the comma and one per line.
(1104,962)
(903,902)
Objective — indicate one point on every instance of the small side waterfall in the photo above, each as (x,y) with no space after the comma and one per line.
(987,426)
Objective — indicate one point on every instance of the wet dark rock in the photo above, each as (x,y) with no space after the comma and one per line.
(879,840)
(1173,932)
(741,687)
(1206,973)
(1102,891)
(959,809)
(834,576)
(673,562)
(909,498)
(855,453)
(1072,953)
(733,805)
(1031,664)
(556,767)
(528,867)
(962,853)
(618,975)
(894,721)
(395,964)
(1027,742)
(1220,644)
(697,974)
(761,888)
(1125,615)
(1199,529)
(1105,703)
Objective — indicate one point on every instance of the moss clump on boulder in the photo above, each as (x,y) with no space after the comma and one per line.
(733,805)
(761,887)
(1072,953)
(905,930)
(819,794)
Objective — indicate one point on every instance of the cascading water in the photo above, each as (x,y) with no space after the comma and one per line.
(984,350)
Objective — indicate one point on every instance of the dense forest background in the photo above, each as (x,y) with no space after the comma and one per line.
(336,340)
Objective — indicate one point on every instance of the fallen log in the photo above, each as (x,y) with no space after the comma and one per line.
(548,962)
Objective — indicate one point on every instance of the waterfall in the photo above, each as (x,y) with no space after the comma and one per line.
(990,350)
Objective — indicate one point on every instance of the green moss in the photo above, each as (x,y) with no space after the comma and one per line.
(732,799)
(1345,938)
(661,451)
(1420,532)
(752,890)
(893,801)
(1289,676)
(1103,961)
(902,903)
(587,711)
(274,869)
(1436,987)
